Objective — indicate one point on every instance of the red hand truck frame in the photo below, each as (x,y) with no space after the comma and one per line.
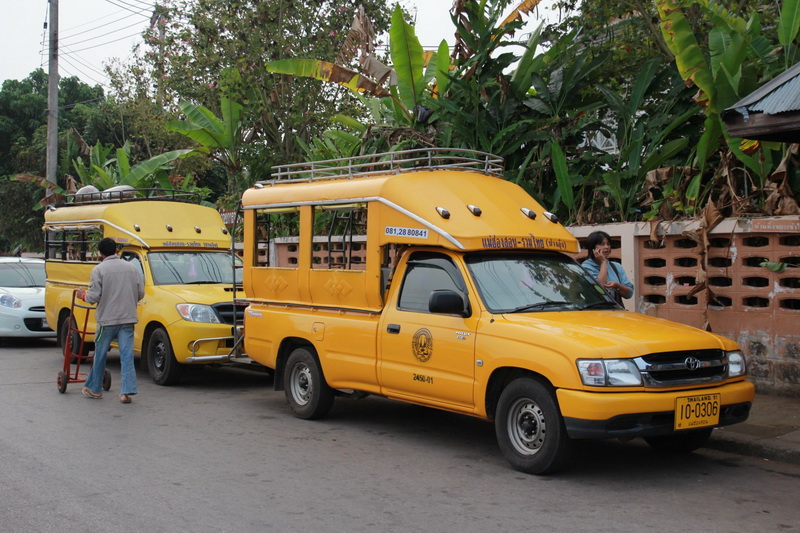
(76,349)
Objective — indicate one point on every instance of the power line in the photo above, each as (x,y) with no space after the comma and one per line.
(104,34)
(75,57)
(67,61)
(44,34)
(136,10)
(97,27)
(108,42)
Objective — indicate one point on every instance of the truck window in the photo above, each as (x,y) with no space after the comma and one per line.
(185,268)
(339,237)
(133,259)
(533,282)
(426,273)
(276,238)
(70,244)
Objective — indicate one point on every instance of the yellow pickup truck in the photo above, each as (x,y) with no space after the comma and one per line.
(424,277)
(183,251)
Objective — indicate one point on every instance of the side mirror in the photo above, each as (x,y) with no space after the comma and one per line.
(447,302)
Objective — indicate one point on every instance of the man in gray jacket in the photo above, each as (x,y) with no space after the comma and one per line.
(116,286)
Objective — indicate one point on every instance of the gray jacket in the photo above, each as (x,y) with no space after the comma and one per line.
(116,287)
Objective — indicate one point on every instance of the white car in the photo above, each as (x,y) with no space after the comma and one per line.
(22,298)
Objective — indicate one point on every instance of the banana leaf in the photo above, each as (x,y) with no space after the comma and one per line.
(407,59)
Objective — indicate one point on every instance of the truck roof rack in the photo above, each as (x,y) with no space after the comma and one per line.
(131,195)
(389,163)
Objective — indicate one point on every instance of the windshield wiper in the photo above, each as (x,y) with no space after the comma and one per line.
(598,304)
(540,305)
(202,282)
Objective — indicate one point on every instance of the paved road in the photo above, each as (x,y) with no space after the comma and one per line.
(221,452)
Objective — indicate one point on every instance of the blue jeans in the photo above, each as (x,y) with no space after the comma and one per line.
(102,340)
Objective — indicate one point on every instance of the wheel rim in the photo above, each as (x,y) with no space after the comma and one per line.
(159,355)
(526,426)
(301,384)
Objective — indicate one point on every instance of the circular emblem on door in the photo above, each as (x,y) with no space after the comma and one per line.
(422,344)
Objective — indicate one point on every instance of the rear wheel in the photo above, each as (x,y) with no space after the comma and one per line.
(68,338)
(161,362)
(307,392)
(530,429)
(106,379)
(680,442)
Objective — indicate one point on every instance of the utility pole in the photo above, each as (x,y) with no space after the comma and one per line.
(52,96)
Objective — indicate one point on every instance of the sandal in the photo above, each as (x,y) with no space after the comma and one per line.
(89,394)
(124,398)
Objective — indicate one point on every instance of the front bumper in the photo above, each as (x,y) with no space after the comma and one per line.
(24,324)
(590,415)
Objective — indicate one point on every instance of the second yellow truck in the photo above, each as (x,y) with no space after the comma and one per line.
(183,252)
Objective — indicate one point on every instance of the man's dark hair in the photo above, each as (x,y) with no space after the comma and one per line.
(107,246)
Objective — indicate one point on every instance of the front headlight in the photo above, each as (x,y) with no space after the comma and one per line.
(736,364)
(198,313)
(609,372)
(8,300)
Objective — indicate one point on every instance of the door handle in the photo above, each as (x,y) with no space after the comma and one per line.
(393,328)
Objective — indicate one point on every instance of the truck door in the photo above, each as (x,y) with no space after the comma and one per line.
(427,356)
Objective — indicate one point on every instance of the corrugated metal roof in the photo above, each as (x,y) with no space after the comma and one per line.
(779,95)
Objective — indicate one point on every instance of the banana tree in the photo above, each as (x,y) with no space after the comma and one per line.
(738,58)
(222,139)
(643,141)
(105,172)
(402,90)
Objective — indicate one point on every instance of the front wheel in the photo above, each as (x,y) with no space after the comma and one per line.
(62,382)
(680,442)
(530,429)
(307,392)
(161,362)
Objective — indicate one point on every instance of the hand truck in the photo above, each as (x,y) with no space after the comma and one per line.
(76,349)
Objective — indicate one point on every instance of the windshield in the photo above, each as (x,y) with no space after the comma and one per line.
(529,282)
(182,268)
(22,274)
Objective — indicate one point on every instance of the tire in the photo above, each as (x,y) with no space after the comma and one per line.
(161,362)
(106,380)
(685,442)
(68,338)
(62,382)
(529,427)
(307,392)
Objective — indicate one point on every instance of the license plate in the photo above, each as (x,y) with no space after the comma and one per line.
(692,412)
(44,324)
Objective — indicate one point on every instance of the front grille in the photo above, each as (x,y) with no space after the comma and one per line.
(37,309)
(229,312)
(689,367)
(35,324)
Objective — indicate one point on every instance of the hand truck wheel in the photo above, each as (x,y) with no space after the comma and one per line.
(62,382)
(106,379)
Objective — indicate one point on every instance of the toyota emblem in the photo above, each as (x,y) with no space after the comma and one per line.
(692,363)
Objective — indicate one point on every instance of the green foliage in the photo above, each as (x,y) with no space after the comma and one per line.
(737,60)
(194,40)
(104,171)
(776,266)
(20,225)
